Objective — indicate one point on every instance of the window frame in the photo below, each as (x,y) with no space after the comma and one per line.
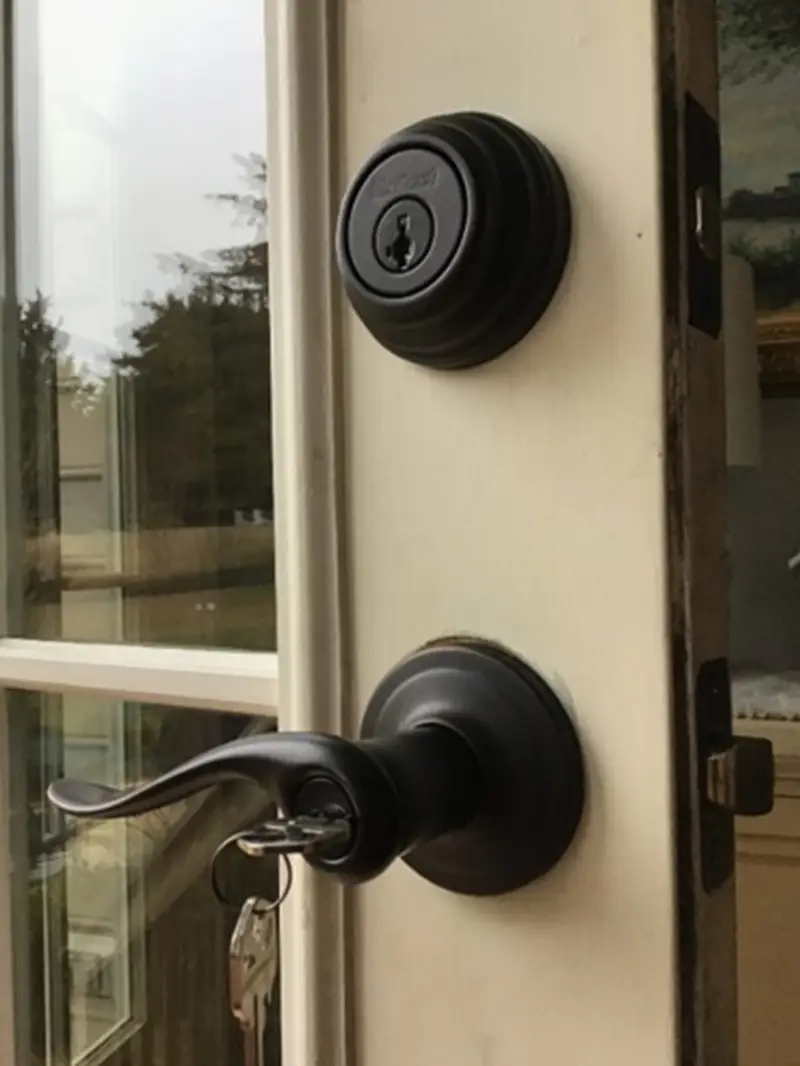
(300,49)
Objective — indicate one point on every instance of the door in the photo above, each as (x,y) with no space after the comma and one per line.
(564,500)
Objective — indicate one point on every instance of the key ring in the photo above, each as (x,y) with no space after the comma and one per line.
(220,896)
(282,837)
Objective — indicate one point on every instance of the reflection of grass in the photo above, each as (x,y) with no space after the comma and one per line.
(776,270)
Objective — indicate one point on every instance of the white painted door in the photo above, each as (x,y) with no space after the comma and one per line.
(565,500)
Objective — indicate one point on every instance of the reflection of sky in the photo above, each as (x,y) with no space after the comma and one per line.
(129,113)
(761,129)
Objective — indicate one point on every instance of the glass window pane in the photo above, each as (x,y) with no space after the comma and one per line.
(142,348)
(760,98)
(121,941)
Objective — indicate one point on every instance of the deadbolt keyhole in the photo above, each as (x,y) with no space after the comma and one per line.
(401,250)
(403,235)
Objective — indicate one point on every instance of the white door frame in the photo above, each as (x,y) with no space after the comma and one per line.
(303,132)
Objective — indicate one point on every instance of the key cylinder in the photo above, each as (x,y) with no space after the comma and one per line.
(406,223)
(403,235)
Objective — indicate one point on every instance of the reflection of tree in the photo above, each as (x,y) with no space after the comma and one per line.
(776,270)
(41,348)
(769,29)
(758,40)
(776,266)
(44,360)
(41,345)
(201,380)
(200,373)
(762,207)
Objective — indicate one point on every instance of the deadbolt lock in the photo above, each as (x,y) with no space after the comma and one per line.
(453,238)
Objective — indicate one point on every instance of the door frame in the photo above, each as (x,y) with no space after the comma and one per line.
(696,508)
(304,182)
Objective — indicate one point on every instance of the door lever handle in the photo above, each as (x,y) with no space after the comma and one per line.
(397,790)
(272,760)
(468,767)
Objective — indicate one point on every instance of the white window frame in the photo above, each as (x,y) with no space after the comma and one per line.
(237,681)
(300,46)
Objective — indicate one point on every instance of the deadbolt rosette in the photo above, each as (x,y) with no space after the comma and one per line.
(499,239)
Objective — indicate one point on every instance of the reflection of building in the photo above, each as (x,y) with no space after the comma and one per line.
(790,188)
(96,502)
(92,492)
(127,892)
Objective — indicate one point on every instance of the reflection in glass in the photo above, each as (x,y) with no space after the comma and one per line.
(126,946)
(760,100)
(143,350)
(760,109)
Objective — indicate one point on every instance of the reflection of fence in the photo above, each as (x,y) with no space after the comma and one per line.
(161,561)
